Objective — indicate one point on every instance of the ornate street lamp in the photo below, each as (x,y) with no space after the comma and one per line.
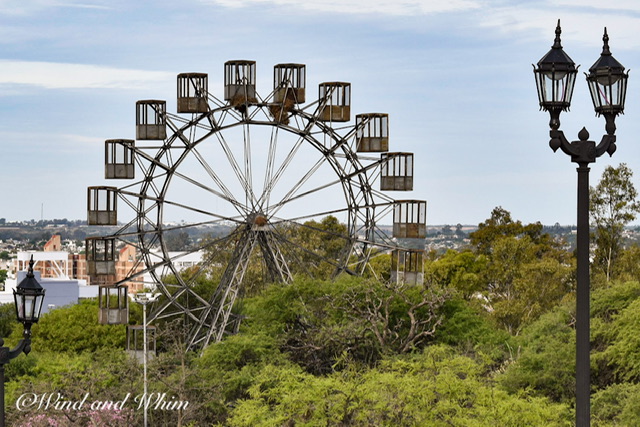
(555,76)
(555,79)
(28,297)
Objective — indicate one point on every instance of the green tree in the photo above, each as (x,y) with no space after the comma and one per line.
(526,272)
(316,248)
(613,204)
(461,270)
(320,322)
(628,265)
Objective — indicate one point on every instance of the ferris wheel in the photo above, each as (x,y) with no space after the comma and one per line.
(265,172)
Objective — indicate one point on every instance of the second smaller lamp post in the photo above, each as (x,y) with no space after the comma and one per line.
(144,299)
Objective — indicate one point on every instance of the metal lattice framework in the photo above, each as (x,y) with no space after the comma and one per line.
(261,167)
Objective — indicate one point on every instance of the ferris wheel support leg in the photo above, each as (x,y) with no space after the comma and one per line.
(275,261)
(216,318)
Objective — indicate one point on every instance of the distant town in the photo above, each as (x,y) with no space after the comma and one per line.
(69,272)
(32,235)
(36,236)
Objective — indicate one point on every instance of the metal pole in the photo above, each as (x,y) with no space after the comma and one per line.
(582,302)
(145,299)
(2,395)
(6,354)
(144,364)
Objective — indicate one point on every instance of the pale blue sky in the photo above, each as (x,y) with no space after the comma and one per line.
(455,77)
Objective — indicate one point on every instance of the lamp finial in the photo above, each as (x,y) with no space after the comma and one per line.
(556,43)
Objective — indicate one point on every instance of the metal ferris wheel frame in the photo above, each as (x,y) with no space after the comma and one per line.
(184,159)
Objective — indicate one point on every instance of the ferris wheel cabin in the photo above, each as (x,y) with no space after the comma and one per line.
(118,159)
(335,102)
(193,89)
(372,132)
(396,173)
(407,266)
(101,206)
(151,119)
(113,305)
(135,341)
(410,219)
(100,255)
(289,83)
(240,82)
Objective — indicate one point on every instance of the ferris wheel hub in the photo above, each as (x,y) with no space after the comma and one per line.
(260,220)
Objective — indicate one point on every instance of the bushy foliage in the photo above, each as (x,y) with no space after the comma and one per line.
(73,329)
(321,322)
(460,270)
(435,387)
(7,319)
(105,375)
(622,348)
(106,417)
(352,352)
(616,405)
(544,359)
(466,327)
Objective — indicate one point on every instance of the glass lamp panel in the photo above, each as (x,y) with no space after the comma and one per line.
(555,88)
(608,92)
(29,306)
(19,306)
(39,299)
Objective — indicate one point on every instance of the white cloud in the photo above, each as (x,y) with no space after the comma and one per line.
(52,75)
(22,7)
(578,26)
(397,7)
(631,5)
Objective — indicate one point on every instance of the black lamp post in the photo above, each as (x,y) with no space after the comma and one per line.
(555,77)
(28,297)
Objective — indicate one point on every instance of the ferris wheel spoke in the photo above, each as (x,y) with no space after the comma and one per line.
(195,224)
(183,206)
(201,211)
(249,198)
(306,193)
(271,157)
(226,195)
(141,272)
(236,168)
(311,216)
(274,178)
(289,196)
